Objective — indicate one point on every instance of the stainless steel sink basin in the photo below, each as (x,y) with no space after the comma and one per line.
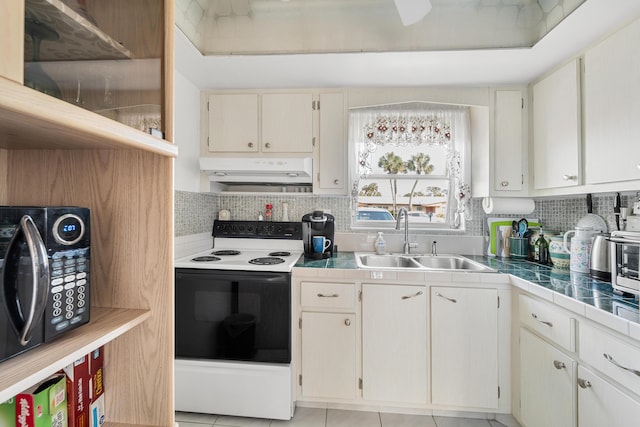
(386,261)
(450,262)
(420,262)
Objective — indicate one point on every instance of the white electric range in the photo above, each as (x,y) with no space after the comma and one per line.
(233,321)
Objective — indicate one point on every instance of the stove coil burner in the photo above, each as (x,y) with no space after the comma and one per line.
(266,261)
(226,252)
(283,253)
(205,258)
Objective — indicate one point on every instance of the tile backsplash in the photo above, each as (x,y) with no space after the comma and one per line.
(195,212)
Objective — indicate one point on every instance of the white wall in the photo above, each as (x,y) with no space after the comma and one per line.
(187,134)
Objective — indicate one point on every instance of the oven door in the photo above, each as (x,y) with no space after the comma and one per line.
(233,315)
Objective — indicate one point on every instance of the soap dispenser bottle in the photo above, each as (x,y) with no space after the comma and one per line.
(380,244)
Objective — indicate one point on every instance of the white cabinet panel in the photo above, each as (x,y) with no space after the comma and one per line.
(329,355)
(612,91)
(332,150)
(549,321)
(556,128)
(547,384)
(394,343)
(508,148)
(287,123)
(601,404)
(233,123)
(464,347)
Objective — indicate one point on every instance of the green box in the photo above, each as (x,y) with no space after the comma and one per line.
(8,413)
(44,405)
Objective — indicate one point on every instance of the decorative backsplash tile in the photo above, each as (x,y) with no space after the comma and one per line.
(195,212)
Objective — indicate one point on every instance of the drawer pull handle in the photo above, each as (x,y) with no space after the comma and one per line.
(535,316)
(613,361)
(417,294)
(559,365)
(347,322)
(584,383)
(438,294)
(328,296)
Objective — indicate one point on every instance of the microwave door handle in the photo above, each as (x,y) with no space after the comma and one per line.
(23,324)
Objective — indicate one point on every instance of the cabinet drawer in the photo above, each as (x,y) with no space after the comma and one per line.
(548,321)
(328,295)
(614,357)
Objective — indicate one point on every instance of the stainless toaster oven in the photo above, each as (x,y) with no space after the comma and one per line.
(625,256)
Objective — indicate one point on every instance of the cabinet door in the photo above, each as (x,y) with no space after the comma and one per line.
(612,90)
(233,123)
(556,128)
(508,175)
(547,384)
(602,404)
(329,355)
(332,145)
(464,347)
(287,123)
(394,343)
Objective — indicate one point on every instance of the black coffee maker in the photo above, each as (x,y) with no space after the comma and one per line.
(318,231)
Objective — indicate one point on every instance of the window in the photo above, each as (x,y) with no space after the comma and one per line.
(410,156)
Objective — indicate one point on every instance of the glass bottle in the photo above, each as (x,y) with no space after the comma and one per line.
(268,214)
(542,250)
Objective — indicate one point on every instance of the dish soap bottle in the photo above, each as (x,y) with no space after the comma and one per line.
(380,244)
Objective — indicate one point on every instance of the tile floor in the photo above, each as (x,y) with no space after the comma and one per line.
(313,417)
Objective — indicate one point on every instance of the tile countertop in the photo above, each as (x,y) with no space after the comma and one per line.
(577,292)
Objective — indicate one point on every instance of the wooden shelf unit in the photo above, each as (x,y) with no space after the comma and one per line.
(55,153)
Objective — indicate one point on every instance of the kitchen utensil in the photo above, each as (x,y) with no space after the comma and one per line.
(616,210)
(600,266)
(514,226)
(523,225)
(580,248)
(591,220)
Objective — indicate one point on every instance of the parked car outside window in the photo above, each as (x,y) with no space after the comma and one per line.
(374,214)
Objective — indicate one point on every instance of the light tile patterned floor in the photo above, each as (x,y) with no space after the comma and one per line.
(312,417)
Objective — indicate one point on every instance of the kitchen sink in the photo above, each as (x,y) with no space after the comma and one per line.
(386,261)
(420,262)
(450,262)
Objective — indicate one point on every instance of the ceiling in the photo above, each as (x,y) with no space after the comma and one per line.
(509,42)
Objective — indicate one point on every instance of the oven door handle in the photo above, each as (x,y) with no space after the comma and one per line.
(25,320)
(242,276)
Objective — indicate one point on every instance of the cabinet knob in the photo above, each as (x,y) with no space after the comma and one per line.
(336,181)
(504,183)
(347,322)
(267,145)
(584,383)
(250,145)
(569,177)
(558,364)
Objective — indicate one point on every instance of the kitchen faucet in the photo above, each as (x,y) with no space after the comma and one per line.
(406,247)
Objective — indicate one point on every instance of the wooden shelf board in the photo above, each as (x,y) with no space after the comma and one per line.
(80,39)
(23,371)
(32,120)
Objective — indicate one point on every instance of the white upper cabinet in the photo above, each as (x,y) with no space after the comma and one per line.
(260,123)
(287,123)
(612,108)
(508,141)
(332,147)
(556,128)
(233,123)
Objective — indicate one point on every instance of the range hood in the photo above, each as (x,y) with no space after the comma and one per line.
(258,170)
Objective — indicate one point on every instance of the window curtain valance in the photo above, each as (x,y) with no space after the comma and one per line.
(415,124)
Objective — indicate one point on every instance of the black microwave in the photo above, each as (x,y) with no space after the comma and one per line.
(44,274)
